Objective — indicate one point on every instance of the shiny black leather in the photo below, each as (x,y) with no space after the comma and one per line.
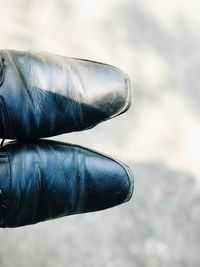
(44,95)
(46,179)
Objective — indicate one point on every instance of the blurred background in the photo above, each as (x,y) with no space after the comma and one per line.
(157,43)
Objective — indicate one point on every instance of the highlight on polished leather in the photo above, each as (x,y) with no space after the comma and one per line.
(46,179)
(43,95)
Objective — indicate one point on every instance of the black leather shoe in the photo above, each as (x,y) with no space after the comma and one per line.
(44,95)
(47,179)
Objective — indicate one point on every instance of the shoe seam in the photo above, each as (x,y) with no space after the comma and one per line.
(3,71)
(6,116)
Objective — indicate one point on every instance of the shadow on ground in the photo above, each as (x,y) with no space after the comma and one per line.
(158,227)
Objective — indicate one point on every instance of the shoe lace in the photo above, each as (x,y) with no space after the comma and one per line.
(2,142)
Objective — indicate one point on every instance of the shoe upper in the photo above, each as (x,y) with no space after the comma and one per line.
(44,95)
(46,179)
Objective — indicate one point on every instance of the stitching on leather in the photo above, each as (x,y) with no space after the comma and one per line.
(23,78)
(8,169)
(9,172)
(81,188)
(6,116)
(37,175)
(2,70)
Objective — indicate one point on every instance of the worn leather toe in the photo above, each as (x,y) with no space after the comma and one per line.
(43,95)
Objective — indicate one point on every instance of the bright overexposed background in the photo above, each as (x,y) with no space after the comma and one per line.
(157,43)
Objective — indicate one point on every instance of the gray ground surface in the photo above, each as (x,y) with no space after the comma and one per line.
(159,227)
(157,43)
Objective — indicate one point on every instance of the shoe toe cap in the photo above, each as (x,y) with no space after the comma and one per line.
(107,90)
(107,183)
